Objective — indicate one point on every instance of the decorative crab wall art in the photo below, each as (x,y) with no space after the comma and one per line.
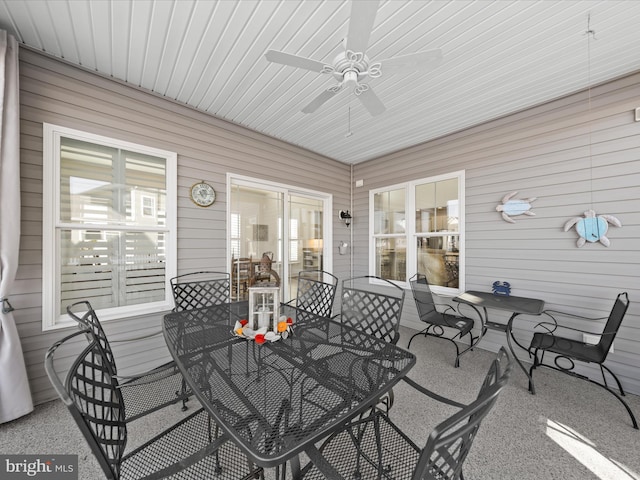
(510,207)
(592,228)
(501,288)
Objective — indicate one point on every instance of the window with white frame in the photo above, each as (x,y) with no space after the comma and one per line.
(108,225)
(148,206)
(429,242)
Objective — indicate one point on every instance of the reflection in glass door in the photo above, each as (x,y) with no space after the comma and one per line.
(306,238)
(255,235)
(262,250)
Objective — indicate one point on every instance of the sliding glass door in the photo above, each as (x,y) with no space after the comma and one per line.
(275,226)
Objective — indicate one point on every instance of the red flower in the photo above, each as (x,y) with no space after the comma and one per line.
(290,321)
(259,338)
(244,321)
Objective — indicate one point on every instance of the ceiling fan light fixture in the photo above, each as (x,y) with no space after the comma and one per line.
(350,78)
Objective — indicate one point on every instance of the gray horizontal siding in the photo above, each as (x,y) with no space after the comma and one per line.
(208,148)
(542,152)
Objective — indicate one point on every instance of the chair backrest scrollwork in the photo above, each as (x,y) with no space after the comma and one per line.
(83,313)
(373,305)
(316,292)
(200,290)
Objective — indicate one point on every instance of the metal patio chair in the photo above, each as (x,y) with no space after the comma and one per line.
(164,382)
(445,323)
(316,292)
(373,305)
(190,448)
(200,290)
(569,350)
(374,447)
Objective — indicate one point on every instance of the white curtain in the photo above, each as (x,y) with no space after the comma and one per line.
(15,396)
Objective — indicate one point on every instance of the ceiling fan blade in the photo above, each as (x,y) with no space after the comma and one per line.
(413,61)
(363,14)
(371,102)
(317,102)
(294,61)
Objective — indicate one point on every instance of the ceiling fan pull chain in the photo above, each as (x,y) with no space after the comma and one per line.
(349,133)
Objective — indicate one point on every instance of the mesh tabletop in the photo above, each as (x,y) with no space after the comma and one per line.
(276,398)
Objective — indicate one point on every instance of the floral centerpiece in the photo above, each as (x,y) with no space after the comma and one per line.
(284,328)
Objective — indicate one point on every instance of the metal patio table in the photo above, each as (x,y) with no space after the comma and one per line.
(516,305)
(277,399)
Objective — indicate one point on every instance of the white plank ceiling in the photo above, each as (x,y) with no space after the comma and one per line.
(499,57)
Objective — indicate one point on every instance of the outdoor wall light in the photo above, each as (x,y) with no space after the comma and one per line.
(345,216)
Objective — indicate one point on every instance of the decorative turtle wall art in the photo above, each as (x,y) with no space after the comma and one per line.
(592,228)
(513,206)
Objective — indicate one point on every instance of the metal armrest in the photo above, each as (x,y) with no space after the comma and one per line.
(433,395)
(544,324)
(446,307)
(551,327)
(159,373)
(134,339)
(130,379)
(573,315)
(481,318)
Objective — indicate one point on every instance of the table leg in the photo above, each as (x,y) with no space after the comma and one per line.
(281,470)
(510,340)
(295,467)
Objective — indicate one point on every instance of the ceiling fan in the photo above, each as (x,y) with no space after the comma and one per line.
(352,67)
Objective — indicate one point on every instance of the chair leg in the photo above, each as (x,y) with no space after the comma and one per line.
(456,364)
(183,393)
(534,365)
(473,341)
(422,332)
(620,399)
(383,470)
(294,463)
(538,362)
(602,369)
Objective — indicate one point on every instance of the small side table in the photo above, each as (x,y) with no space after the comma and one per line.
(515,305)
